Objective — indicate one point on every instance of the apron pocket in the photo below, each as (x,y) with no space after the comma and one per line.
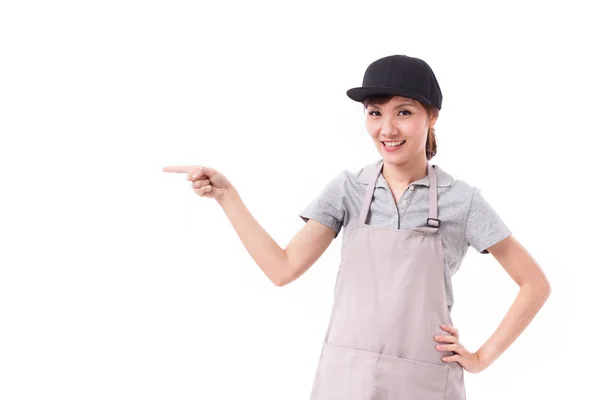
(344,374)
(403,379)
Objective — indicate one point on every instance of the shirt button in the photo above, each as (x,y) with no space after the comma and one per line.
(403,201)
(412,187)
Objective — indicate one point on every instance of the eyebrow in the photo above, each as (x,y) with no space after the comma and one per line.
(406,103)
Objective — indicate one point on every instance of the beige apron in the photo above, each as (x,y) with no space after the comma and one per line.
(389,303)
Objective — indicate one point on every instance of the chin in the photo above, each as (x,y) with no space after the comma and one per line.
(396,158)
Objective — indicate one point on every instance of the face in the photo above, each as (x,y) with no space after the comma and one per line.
(400,119)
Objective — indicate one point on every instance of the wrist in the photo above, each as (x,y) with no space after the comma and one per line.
(227,197)
(485,357)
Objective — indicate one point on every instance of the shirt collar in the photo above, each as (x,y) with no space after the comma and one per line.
(364,175)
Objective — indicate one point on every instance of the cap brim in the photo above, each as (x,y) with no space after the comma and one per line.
(359,93)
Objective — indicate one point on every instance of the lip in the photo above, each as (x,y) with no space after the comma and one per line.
(392,148)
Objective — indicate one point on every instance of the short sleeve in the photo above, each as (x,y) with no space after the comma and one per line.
(484,227)
(328,207)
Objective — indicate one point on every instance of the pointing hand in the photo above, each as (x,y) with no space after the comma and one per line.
(206,182)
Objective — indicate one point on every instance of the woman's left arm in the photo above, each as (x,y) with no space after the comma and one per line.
(533,293)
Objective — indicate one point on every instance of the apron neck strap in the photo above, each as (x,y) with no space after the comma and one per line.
(432,223)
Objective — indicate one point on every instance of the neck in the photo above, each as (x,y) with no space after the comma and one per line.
(404,174)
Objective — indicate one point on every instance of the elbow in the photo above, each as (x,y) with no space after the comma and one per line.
(546,290)
(538,291)
(541,290)
(280,281)
(284,275)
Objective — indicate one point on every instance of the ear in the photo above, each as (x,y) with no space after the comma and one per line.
(432,120)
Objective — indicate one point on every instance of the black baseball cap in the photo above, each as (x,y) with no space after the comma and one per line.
(400,75)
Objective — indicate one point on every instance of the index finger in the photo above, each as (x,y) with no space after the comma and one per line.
(182,168)
(450,329)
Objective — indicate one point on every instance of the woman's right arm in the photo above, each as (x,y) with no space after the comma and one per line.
(281,266)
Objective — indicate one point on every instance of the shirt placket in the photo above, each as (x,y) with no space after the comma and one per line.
(404,202)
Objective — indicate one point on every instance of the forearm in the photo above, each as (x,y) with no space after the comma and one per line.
(530,299)
(267,254)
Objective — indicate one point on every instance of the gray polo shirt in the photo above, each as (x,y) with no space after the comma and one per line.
(467,218)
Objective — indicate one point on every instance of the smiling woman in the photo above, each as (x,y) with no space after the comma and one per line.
(407,115)
(391,334)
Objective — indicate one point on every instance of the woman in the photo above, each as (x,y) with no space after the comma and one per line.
(407,226)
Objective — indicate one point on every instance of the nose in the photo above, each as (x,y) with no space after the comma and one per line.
(387,127)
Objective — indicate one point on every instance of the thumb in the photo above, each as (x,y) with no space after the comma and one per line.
(209,172)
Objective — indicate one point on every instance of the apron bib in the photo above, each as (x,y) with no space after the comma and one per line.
(389,303)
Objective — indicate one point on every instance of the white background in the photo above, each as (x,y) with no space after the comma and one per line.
(118,282)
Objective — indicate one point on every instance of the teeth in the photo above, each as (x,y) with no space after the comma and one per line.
(392,144)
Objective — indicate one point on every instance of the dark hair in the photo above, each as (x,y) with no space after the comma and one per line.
(431,145)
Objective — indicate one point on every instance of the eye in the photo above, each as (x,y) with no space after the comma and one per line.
(406,111)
